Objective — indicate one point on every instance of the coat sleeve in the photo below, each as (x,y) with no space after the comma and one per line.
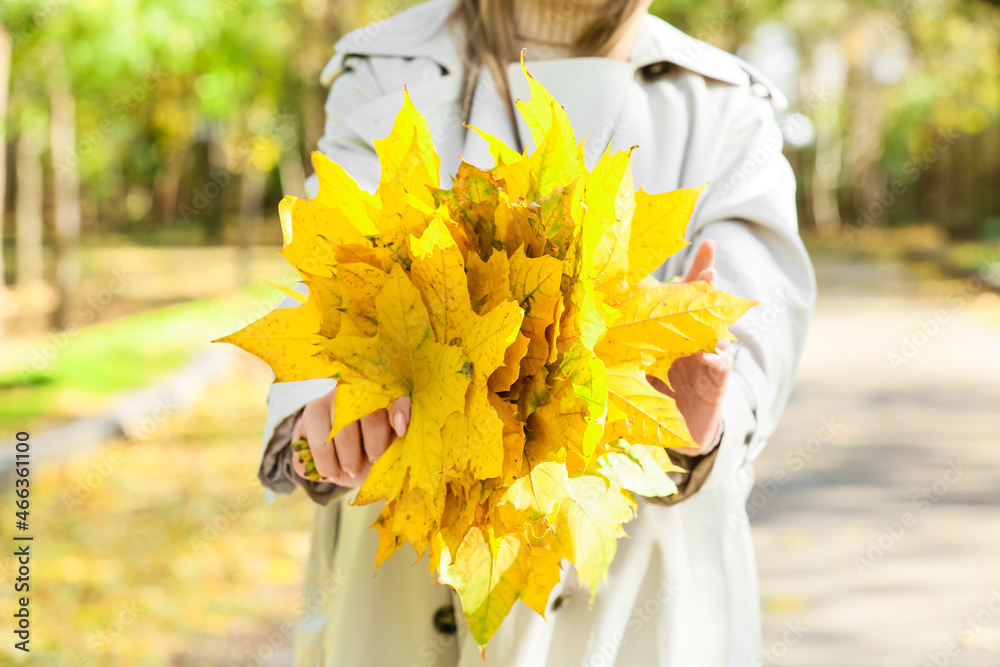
(353,82)
(749,210)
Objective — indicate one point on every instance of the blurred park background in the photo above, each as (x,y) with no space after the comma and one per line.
(144,146)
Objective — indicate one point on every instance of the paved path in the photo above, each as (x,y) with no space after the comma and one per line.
(877,509)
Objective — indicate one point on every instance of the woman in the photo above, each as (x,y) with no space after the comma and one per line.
(682,589)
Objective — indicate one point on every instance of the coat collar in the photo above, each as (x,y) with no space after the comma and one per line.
(422,31)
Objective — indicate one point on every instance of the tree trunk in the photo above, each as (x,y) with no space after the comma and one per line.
(4,86)
(166,186)
(252,191)
(825,181)
(67,201)
(28,210)
(292,174)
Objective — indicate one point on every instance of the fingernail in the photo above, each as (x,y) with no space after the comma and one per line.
(399,424)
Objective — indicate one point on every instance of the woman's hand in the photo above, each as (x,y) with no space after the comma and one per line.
(346,459)
(698,382)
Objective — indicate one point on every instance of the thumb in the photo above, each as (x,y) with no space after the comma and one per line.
(704,258)
(399,415)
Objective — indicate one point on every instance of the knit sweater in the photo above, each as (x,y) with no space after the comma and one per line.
(549,28)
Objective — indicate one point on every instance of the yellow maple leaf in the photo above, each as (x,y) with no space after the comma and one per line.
(511,307)
(407,155)
(404,358)
(488,573)
(338,190)
(543,575)
(541,490)
(312,233)
(658,229)
(661,323)
(287,339)
(640,414)
(588,527)
(489,282)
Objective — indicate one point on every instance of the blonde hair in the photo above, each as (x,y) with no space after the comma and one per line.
(486,28)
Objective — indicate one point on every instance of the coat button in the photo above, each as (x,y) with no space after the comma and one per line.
(444,620)
(655,71)
(560,601)
(760,90)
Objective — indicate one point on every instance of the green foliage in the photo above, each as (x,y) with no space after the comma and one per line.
(80,372)
(170,92)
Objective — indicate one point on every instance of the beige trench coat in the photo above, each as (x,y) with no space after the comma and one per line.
(682,591)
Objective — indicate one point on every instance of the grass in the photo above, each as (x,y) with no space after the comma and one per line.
(981,256)
(78,373)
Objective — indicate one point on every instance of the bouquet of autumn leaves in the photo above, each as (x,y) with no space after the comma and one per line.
(512,309)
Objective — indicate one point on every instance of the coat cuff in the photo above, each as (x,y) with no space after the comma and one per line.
(698,469)
(719,465)
(277,474)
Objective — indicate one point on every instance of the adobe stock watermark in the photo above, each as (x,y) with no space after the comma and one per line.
(644,611)
(772,655)
(756,159)
(795,460)
(124,106)
(362,37)
(967,632)
(453,117)
(261,307)
(86,313)
(771,145)
(901,15)
(610,132)
(432,649)
(875,211)
(715,27)
(229,514)
(929,327)
(313,603)
(39,17)
(282,127)
(101,471)
(921,503)
(126,614)
(765,315)
(142,429)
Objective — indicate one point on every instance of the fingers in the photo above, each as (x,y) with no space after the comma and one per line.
(709,276)
(314,426)
(376,434)
(298,466)
(660,386)
(317,423)
(347,444)
(718,366)
(722,362)
(704,259)
(399,415)
(700,372)
(346,457)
